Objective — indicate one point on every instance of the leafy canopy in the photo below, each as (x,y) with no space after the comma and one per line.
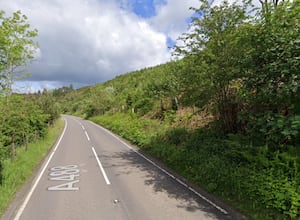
(17,48)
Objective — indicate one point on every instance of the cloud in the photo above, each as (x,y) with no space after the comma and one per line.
(171,17)
(89,41)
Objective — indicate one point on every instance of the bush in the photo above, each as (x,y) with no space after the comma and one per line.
(255,179)
(176,136)
(130,127)
(22,121)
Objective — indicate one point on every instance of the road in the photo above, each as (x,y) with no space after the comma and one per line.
(92,174)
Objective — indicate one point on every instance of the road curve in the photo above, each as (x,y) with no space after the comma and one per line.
(92,174)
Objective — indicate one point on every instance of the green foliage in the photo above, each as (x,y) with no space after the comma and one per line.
(194,81)
(22,121)
(273,71)
(210,51)
(271,76)
(101,100)
(16,47)
(252,178)
(242,69)
(130,127)
(277,130)
(176,136)
(139,91)
(48,105)
(16,172)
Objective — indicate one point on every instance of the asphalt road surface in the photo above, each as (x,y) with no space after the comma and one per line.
(91,174)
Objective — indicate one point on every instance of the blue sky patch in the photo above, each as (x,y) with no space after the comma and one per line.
(194,15)
(170,42)
(145,8)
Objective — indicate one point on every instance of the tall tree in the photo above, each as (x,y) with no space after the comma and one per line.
(17,48)
(271,73)
(212,51)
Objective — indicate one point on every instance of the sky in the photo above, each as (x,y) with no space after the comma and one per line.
(84,42)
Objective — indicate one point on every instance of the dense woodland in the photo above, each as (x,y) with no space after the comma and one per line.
(225,113)
(23,118)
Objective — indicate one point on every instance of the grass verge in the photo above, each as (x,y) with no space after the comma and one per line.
(17,172)
(262,183)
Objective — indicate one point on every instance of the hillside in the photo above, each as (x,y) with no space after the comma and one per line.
(226,115)
(254,174)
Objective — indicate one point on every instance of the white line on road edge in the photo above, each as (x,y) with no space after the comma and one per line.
(22,207)
(164,171)
(101,167)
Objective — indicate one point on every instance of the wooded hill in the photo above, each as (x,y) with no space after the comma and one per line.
(225,113)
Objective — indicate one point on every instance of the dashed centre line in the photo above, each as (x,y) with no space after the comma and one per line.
(83,128)
(87,135)
(101,167)
(96,156)
(150,161)
(163,170)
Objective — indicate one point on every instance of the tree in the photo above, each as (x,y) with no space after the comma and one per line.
(271,74)
(164,85)
(211,50)
(100,100)
(17,48)
(49,106)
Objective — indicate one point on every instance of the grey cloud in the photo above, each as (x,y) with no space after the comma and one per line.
(89,41)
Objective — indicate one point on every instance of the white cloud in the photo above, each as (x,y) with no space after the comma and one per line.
(171,17)
(89,41)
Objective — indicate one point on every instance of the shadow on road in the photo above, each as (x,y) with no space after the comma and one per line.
(131,163)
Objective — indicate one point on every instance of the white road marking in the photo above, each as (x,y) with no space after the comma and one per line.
(64,173)
(87,136)
(83,128)
(101,167)
(163,170)
(24,204)
(65,187)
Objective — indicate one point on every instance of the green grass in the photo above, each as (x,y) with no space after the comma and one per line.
(129,126)
(260,182)
(17,172)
